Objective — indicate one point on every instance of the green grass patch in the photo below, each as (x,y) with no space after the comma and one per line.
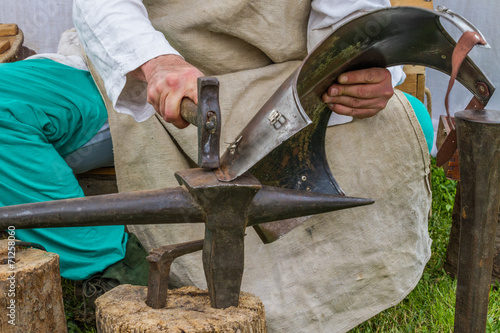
(79,318)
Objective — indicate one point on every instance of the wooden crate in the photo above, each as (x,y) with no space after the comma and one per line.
(416,3)
(415,81)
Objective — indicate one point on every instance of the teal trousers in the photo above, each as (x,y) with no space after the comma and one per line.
(47,111)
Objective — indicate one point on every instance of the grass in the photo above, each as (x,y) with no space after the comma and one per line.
(428,308)
(78,318)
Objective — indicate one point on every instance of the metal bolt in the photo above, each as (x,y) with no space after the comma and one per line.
(211,123)
(483,89)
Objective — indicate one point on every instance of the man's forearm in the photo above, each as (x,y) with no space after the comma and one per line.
(118,38)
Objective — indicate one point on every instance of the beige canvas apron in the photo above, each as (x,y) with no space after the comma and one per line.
(337,269)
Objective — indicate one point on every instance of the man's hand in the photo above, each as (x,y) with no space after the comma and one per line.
(170,78)
(360,93)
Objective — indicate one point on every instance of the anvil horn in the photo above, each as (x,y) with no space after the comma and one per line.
(274,203)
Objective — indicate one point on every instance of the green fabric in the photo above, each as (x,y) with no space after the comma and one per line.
(47,111)
(134,268)
(424,119)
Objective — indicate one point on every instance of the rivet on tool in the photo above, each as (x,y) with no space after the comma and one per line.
(234,145)
(211,122)
(273,117)
(276,119)
(483,88)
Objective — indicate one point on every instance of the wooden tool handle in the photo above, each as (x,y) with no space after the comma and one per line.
(189,111)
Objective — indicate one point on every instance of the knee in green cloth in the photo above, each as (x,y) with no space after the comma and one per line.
(134,268)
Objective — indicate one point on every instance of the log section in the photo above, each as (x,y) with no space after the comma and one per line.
(30,292)
(188,310)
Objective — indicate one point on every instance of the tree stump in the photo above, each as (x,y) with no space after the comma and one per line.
(188,310)
(12,38)
(30,291)
(451,263)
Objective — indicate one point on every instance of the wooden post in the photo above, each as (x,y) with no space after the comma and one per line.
(30,291)
(478,137)
(451,262)
(124,309)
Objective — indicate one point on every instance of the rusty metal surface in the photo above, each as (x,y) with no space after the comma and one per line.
(160,261)
(468,40)
(143,207)
(478,135)
(206,116)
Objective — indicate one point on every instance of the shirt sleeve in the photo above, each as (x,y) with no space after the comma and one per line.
(118,38)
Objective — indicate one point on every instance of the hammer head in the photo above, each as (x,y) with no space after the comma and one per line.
(208,123)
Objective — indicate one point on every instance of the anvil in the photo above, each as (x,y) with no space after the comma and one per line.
(226,208)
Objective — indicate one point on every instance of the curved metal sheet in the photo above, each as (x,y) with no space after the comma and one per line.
(387,37)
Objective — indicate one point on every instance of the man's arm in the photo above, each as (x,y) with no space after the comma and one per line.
(170,78)
(128,52)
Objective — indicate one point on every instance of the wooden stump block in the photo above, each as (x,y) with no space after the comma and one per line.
(11,44)
(31,294)
(188,310)
(4,45)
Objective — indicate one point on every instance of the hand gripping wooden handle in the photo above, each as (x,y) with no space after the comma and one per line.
(189,111)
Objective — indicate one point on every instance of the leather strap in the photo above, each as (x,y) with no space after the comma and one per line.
(468,40)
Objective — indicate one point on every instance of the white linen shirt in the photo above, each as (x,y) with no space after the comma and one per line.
(119,38)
